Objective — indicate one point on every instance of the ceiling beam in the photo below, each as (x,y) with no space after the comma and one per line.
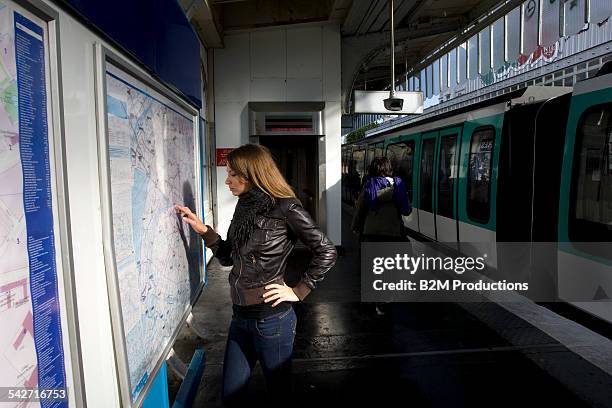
(378,9)
(355,16)
(339,10)
(204,21)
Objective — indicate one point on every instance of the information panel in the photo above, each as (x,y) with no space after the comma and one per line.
(151,154)
(31,348)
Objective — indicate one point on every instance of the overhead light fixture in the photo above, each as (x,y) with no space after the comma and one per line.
(392,103)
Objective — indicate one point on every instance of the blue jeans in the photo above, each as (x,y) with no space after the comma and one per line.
(268,340)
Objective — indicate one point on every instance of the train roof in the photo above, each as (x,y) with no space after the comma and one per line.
(526,95)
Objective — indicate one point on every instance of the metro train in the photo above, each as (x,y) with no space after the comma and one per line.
(532,165)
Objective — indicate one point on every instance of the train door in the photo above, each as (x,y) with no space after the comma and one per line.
(426,219)
(585,206)
(445,185)
(402,155)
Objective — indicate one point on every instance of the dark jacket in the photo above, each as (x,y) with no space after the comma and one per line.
(385,220)
(263,259)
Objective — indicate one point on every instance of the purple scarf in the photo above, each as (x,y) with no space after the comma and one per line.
(400,196)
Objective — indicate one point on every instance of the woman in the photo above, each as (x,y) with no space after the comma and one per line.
(267,220)
(381,204)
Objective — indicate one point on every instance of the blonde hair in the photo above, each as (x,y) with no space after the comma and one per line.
(255,164)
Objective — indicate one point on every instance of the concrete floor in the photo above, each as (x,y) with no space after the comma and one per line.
(426,354)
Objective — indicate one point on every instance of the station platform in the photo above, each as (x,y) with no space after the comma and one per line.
(426,354)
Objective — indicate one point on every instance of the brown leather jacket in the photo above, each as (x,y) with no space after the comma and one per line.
(263,259)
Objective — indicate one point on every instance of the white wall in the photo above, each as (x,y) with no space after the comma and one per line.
(80,133)
(77,96)
(291,63)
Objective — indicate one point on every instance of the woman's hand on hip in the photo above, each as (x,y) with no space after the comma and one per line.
(191,219)
(279,293)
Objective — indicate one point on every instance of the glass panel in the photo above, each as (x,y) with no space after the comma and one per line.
(344,171)
(447,174)
(479,174)
(206,169)
(484,51)
(436,77)
(513,35)
(591,218)
(401,156)
(599,10)
(573,16)
(379,149)
(498,29)
(423,82)
(356,172)
(427,166)
(452,68)
(444,72)
(371,153)
(472,57)
(462,62)
(429,71)
(531,17)
(550,21)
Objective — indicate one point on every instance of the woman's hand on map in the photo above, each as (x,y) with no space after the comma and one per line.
(191,219)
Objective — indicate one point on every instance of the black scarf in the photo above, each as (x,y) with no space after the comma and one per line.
(250,204)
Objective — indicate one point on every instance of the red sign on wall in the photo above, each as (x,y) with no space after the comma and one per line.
(222,156)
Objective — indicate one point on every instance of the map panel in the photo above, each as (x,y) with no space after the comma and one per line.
(152,167)
(31,348)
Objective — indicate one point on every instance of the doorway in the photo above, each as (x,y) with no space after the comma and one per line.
(297,157)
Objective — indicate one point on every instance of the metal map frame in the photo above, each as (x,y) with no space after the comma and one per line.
(103,56)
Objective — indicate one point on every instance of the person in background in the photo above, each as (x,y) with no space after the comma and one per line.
(266,223)
(382,202)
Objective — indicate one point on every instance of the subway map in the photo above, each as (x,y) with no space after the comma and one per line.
(151,154)
(17,351)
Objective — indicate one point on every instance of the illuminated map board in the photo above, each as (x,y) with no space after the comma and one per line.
(151,150)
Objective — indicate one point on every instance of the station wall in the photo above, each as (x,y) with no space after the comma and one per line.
(281,64)
(73,122)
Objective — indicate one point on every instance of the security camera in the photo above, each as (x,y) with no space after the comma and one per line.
(393,104)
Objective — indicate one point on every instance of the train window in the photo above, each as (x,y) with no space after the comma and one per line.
(427,166)
(346,156)
(401,156)
(355,173)
(379,149)
(479,174)
(447,174)
(591,197)
(371,155)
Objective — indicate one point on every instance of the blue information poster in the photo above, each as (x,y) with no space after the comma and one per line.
(31,348)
